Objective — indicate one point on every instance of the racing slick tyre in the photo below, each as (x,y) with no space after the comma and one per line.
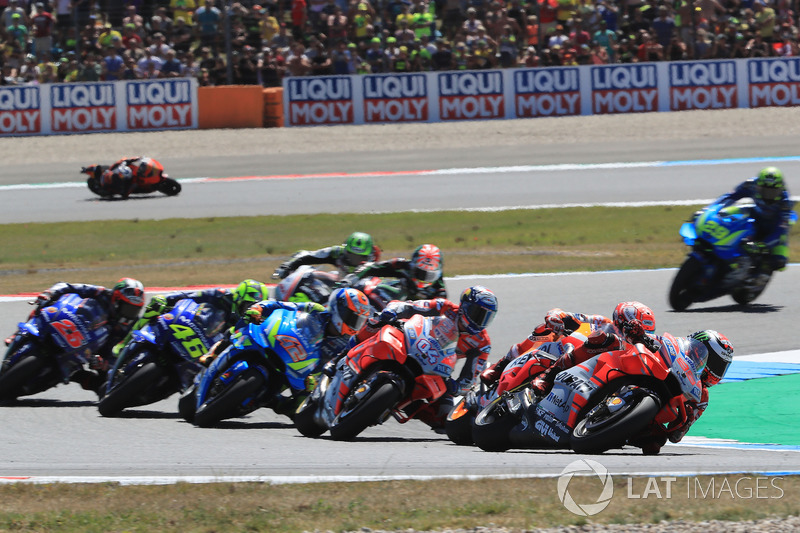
(13,380)
(231,401)
(130,390)
(458,424)
(743,295)
(680,294)
(170,187)
(492,425)
(602,429)
(305,421)
(187,403)
(360,413)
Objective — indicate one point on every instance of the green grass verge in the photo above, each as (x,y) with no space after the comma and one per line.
(191,251)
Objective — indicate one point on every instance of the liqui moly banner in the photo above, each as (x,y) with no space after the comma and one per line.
(20,111)
(547,92)
(774,82)
(624,88)
(319,100)
(470,95)
(702,85)
(69,108)
(395,98)
(83,108)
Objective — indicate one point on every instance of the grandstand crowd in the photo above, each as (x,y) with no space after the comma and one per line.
(246,42)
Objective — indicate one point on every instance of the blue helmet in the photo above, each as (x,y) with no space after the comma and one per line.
(477,309)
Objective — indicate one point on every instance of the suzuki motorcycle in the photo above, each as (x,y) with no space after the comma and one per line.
(718,263)
(163,184)
(603,403)
(400,371)
(309,284)
(52,345)
(522,369)
(162,357)
(261,362)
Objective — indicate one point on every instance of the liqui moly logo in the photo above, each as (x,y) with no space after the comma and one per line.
(547,92)
(20,111)
(159,104)
(395,98)
(710,85)
(624,89)
(320,101)
(774,82)
(80,108)
(471,95)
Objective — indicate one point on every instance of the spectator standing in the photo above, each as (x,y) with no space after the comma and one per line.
(361,24)
(130,72)
(172,67)
(765,21)
(181,35)
(8,14)
(271,70)
(90,70)
(183,9)
(443,58)
(663,27)
(607,39)
(208,18)
(297,63)
(132,17)
(269,26)
(300,17)
(42,23)
(113,65)
(18,31)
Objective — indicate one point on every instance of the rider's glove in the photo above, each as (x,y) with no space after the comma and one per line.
(98,363)
(754,248)
(253,315)
(314,307)
(346,281)
(157,306)
(555,319)
(43,299)
(692,414)
(633,331)
(282,271)
(387,316)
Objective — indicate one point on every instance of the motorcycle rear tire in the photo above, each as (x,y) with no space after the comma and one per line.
(458,425)
(14,379)
(305,422)
(228,403)
(170,187)
(126,393)
(491,427)
(744,296)
(680,294)
(614,435)
(366,413)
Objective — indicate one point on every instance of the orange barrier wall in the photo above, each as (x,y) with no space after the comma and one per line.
(231,106)
(273,107)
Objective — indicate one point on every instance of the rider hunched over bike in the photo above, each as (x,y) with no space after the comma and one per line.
(121,177)
(358,249)
(606,333)
(232,302)
(772,212)
(123,302)
(345,316)
(422,275)
(473,314)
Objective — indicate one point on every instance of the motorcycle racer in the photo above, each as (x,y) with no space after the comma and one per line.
(122,303)
(358,249)
(476,309)
(122,176)
(232,302)
(772,214)
(345,315)
(421,275)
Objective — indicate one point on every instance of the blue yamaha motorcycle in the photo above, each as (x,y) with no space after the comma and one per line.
(261,362)
(162,357)
(718,263)
(52,345)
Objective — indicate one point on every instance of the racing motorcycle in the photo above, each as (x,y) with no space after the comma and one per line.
(400,371)
(718,263)
(522,369)
(162,357)
(309,284)
(603,403)
(163,184)
(51,345)
(261,362)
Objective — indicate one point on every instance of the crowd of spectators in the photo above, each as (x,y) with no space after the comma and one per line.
(246,42)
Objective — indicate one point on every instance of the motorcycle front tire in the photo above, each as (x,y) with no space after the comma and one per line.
(13,380)
(458,424)
(187,404)
(350,423)
(229,403)
(615,434)
(491,427)
(305,421)
(170,187)
(127,392)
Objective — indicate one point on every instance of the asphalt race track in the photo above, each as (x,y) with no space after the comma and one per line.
(60,433)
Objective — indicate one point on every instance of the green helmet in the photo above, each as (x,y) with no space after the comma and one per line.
(358,248)
(769,185)
(246,294)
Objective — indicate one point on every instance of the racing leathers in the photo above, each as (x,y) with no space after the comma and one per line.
(95,376)
(330,255)
(772,223)
(474,349)
(402,270)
